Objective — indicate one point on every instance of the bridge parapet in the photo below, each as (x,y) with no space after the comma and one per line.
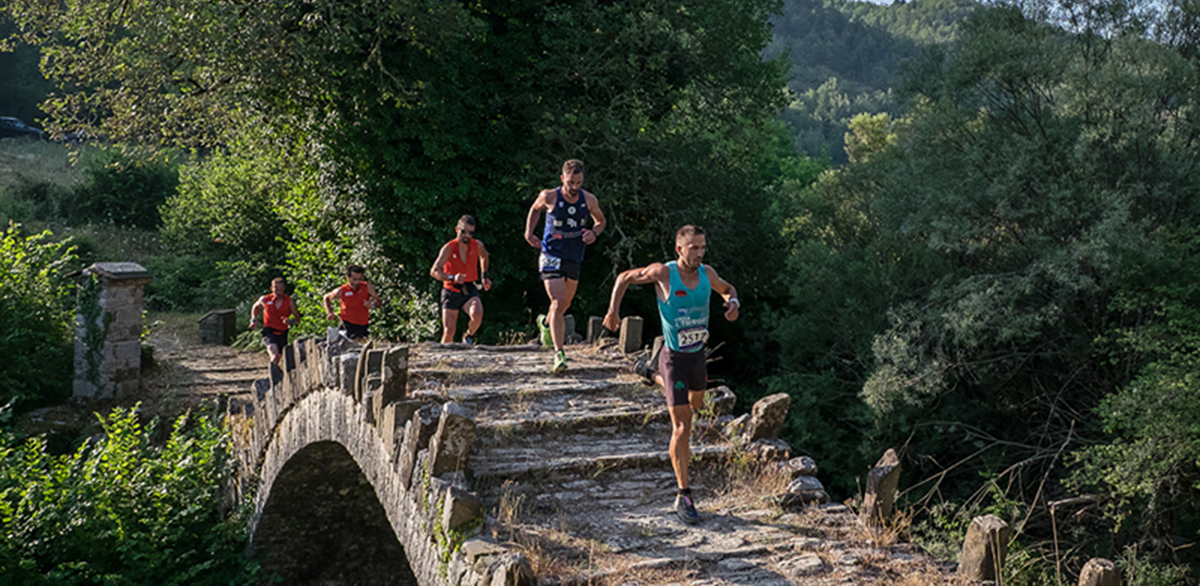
(412,453)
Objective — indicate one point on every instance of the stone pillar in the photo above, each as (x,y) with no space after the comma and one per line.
(1100,572)
(984,549)
(880,496)
(631,334)
(108,330)
(595,329)
(218,327)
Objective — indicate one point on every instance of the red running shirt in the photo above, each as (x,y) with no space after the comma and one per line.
(455,265)
(276,311)
(354,304)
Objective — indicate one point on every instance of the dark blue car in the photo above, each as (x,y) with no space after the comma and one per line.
(12,128)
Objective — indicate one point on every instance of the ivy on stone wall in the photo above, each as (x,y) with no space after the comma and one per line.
(95,326)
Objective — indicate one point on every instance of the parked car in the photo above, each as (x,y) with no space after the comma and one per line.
(11,128)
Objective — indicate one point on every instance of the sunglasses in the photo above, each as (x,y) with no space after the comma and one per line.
(467,232)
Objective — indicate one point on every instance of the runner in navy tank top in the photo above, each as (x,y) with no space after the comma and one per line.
(573,220)
(683,288)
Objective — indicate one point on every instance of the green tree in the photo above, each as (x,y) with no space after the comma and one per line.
(417,114)
(35,317)
(1039,165)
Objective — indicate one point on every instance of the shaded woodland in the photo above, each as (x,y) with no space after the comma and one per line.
(965,231)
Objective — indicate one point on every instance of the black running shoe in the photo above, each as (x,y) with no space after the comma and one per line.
(645,369)
(686,510)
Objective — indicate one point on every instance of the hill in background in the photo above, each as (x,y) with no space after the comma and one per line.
(847,56)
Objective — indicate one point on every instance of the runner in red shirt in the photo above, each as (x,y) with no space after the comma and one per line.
(357,299)
(278,315)
(461,263)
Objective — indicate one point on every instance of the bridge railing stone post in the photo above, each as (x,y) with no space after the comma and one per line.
(631,334)
(984,549)
(108,330)
(451,444)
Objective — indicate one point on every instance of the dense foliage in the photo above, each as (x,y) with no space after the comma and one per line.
(121,509)
(1003,276)
(846,57)
(999,280)
(35,317)
(410,115)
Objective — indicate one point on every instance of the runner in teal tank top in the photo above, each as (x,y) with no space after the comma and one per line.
(684,288)
(684,313)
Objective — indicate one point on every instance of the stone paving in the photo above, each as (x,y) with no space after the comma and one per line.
(574,471)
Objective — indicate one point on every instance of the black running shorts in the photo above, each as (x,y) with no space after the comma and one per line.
(682,372)
(274,336)
(552,267)
(354,331)
(455,300)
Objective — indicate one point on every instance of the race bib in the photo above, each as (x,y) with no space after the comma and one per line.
(692,338)
(550,263)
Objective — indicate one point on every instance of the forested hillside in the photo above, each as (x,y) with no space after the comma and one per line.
(847,55)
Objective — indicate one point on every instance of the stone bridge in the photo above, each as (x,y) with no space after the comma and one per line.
(448,464)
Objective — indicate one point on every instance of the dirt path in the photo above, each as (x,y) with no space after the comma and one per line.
(187,373)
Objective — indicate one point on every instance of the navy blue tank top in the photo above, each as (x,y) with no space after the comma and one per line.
(563,233)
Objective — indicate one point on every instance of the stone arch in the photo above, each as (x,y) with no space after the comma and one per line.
(322,523)
(339,410)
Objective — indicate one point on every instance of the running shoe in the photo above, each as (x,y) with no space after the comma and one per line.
(645,369)
(686,510)
(560,362)
(469,339)
(544,328)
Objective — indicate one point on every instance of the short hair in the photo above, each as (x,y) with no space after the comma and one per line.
(277,280)
(687,231)
(467,219)
(355,269)
(572,167)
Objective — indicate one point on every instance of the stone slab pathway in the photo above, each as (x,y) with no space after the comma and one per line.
(574,471)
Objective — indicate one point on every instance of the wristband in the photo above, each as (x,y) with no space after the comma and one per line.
(734,300)
(485,274)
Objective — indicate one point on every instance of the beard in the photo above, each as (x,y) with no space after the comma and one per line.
(686,265)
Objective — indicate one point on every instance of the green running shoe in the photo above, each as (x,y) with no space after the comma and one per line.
(560,362)
(544,328)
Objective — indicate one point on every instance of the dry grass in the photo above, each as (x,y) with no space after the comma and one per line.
(39,161)
(513,338)
(742,477)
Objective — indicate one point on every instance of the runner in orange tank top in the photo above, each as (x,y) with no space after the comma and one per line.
(357,299)
(461,263)
(278,315)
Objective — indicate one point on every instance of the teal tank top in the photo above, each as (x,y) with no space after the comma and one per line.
(685,312)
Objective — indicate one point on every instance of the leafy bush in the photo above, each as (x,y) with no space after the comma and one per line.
(121,510)
(29,199)
(125,189)
(35,317)
(181,283)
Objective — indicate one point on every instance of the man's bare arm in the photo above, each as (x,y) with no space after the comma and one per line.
(484,261)
(727,291)
(327,300)
(642,276)
(254,309)
(535,212)
(598,220)
(436,270)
